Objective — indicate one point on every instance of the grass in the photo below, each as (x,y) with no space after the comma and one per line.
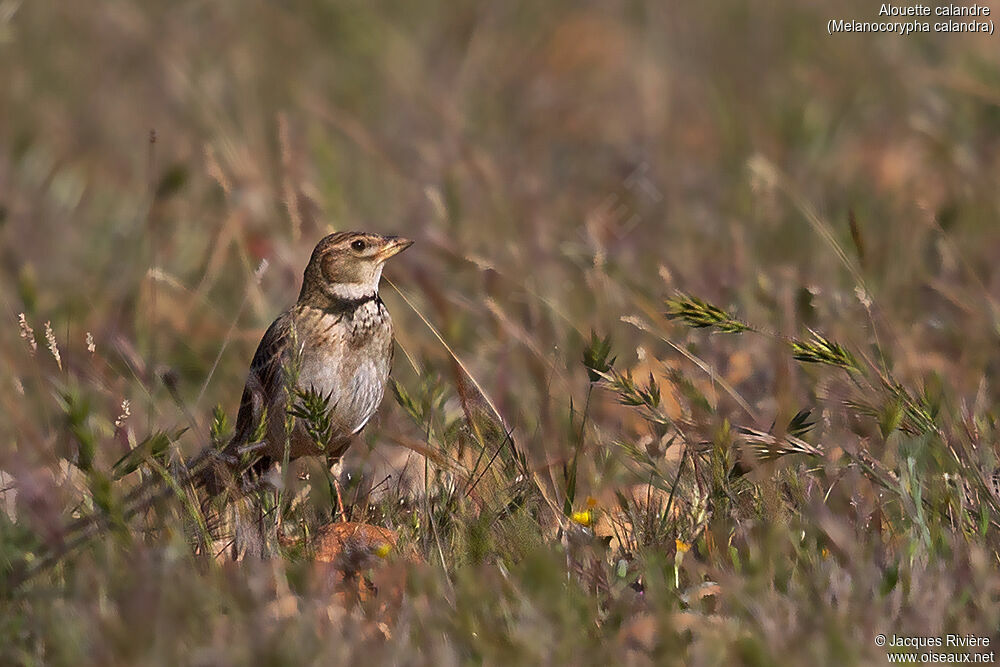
(697,348)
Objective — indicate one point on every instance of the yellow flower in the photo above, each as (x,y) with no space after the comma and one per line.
(584,518)
(682,546)
(383,550)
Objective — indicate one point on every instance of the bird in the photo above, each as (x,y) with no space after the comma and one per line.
(336,342)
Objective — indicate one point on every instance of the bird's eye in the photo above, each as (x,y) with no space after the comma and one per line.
(358,245)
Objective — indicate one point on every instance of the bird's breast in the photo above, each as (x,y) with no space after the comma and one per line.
(347,358)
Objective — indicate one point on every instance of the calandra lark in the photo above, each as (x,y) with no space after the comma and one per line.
(335,341)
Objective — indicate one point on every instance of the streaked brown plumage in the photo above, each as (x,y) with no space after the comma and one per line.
(343,336)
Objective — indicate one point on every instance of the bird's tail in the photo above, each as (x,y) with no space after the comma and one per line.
(229,510)
(210,477)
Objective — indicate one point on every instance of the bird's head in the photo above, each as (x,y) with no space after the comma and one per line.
(348,265)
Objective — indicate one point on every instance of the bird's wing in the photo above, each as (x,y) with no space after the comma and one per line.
(264,380)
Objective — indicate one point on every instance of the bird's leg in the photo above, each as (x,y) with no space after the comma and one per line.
(340,499)
(335,469)
(277,508)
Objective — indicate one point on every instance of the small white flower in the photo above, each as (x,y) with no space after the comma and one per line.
(126,413)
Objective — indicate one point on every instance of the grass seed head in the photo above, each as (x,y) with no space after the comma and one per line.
(821,350)
(595,357)
(27,333)
(50,337)
(700,314)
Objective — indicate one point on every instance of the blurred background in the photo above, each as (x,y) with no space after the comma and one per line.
(167,167)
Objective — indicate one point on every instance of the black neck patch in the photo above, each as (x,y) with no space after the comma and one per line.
(347,307)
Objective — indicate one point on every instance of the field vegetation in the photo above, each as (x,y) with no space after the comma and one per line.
(698,348)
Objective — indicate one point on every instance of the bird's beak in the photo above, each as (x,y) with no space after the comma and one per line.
(393,246)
